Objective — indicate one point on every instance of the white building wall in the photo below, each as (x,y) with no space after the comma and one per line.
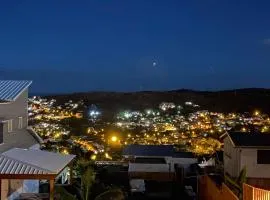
(254,170)
(16,109)
(168,167)
(231,158)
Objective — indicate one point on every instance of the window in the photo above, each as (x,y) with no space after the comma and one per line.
(20,124)
(263,157)
(10,125)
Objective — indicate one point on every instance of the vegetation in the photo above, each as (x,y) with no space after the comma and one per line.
(243,100)
(113,194)
(89,186)
(87,181)
(63,194)
(86,172)
(237,184)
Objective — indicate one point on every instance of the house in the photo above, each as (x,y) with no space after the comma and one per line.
(22,163)
(14,117)
(156,162)
(250,150)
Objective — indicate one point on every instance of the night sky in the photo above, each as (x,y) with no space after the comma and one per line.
(67,46)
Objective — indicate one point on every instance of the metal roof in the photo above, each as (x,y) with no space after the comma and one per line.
(183,154)
(11,89)
(250,139)
(148,150)
(12,166)
(30,161)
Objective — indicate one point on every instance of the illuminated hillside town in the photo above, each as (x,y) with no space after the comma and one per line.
(74,127)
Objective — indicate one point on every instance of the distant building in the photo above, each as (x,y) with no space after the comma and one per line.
(156,162)
(22,163)
(166,105)
(250,150)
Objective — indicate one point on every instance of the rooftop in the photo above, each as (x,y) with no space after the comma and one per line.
(29,161)
(148,150)
(150,160)
(11,89)
(183,154)
(13,166)
(254,140)
(21,139)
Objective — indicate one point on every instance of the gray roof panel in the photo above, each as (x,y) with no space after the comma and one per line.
(12,166)
(52,162)
(23,161)
(11,89)
(250,139)
(148,150)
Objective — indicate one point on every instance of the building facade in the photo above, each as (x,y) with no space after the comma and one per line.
(250,151)
(22,163)
(156,162)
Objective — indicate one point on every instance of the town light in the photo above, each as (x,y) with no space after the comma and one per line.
(256,113)
(65,151)
(93,157)
(113,138)
(108,156)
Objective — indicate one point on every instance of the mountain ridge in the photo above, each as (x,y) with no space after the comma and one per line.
(237,100)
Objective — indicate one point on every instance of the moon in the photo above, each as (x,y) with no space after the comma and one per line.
(154,64)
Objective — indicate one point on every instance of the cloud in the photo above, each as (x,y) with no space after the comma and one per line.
(266,41)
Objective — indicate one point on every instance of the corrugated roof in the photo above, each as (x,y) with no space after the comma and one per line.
(148,150)
(12,166)
(29,161)
(250,139)
(53,162)
(11,89)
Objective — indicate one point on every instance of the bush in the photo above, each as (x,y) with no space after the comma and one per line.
(113,194)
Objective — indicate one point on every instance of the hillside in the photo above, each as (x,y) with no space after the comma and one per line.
(240,100)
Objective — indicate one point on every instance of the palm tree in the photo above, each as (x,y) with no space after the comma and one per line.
(87,181)
(87,174)
(237,183)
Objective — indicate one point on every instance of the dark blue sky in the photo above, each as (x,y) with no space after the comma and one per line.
(72,45)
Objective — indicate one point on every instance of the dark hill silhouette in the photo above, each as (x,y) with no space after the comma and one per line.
(238,100)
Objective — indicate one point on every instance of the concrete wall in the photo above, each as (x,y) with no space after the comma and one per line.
(183,162)
(16,109)
(171,161)
(142,167)
(231,158)
(154,176)
(254,170)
